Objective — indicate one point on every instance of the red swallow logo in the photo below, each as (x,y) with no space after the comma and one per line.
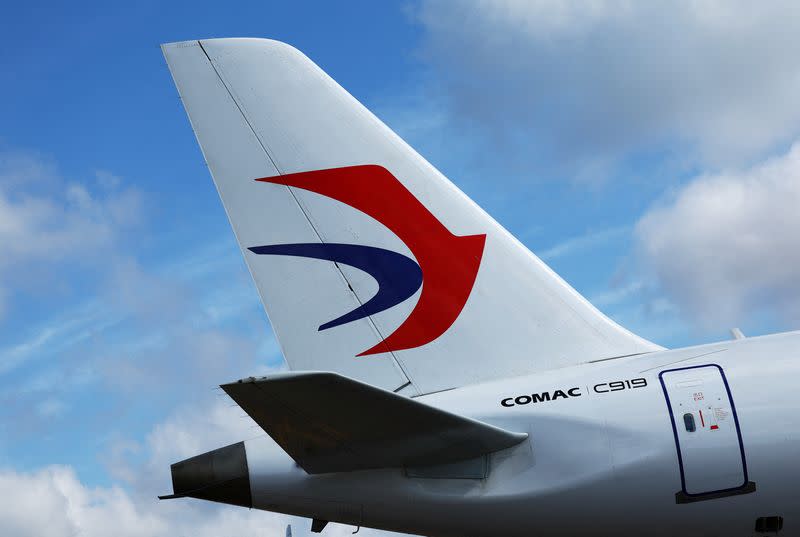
(449,263)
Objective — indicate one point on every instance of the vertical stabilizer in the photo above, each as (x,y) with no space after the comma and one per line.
(369,261)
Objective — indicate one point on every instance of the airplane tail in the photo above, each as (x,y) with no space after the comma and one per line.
(369,261)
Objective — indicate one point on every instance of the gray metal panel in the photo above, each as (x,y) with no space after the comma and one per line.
(330,423)
(220,476)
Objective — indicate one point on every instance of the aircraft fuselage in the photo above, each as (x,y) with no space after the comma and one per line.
(699,441)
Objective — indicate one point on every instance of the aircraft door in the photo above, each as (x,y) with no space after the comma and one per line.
(711,455)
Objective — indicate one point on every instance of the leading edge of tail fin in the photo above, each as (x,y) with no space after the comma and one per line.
(368,260)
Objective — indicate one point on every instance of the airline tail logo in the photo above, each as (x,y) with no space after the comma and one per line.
(446,265)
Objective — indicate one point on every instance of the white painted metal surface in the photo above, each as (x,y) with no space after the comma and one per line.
(260,108)
(608,452)
(707,433)
(597,464)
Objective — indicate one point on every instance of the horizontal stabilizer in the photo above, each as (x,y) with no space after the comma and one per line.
(330,423)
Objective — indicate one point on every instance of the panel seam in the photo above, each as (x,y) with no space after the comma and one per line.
(305,214)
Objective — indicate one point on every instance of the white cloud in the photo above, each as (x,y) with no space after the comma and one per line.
(69,220)
(616,294)
(191,431)
(726,247)
(47,222)
(584,84)
(582,243)
(25,168)
(73,327)
(53,501)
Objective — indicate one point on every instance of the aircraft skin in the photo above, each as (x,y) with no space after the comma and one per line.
(443,380)
(596,464)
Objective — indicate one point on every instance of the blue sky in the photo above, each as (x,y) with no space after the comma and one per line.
(652,165)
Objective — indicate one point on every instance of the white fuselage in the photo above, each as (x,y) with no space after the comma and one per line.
(692,442)
(602,457)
